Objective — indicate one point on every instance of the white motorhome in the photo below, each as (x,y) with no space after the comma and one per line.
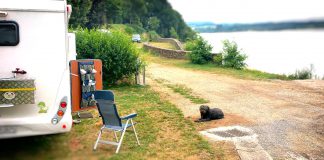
(35,50)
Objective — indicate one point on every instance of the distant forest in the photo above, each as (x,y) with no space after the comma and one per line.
(207,27)
(156,15)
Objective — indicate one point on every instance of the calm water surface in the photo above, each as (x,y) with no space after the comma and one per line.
(277,51)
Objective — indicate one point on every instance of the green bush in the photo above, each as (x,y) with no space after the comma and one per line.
(118,54)
(137,29)
(173,33)
(145,37)
(129,30)
(153,36)
(218,59)
(232,56)
(200,51)
(305,73)
(134,29)
(189,45)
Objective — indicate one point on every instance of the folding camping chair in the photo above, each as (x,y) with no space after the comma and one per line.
(111,120)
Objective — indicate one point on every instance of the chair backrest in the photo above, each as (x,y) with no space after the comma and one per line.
(107,108)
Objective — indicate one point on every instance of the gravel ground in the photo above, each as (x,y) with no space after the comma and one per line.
(288,116)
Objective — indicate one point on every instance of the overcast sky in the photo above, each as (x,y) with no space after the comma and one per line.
(247,11)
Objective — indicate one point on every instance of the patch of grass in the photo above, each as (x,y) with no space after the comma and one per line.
(183,90)
(163,45)
(187,92)
(161,81)
(242,74)
(162,130)
(118,27)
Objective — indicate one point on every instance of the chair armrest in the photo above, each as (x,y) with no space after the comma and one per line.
(129,116)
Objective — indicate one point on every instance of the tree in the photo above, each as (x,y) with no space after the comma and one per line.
(200,51)
(153,36)
(81,9)
(233,58)
(153,23)
(137,21)
(97,15)
(114,12)
(173,33)
(134,11)
(156,15)
(104,12)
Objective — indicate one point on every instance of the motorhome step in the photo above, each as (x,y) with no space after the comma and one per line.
(84,115)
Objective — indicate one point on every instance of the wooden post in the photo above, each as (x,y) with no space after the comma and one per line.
(136,78)
(144,76)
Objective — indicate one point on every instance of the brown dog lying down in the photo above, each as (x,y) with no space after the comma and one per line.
(208,114)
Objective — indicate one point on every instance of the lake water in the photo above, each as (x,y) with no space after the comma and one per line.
(279,52)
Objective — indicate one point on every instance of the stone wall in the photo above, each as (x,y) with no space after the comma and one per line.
(173,41)
(168,53)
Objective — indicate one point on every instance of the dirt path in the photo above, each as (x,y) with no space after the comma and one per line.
(287,115)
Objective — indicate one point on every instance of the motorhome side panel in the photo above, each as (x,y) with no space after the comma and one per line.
(42,53)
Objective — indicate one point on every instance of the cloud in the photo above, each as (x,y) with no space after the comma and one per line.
(244,11)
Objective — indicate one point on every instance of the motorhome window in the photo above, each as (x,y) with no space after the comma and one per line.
(9,33)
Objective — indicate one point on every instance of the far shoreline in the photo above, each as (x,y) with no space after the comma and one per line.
(279,52)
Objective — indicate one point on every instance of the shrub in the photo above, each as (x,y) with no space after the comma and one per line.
(232,56)
(305,73)
(218,59)
(200,51)
(173,33)
(136,28)
(189,45)
(118,54)
(145,37)
(129,30)
(153,36)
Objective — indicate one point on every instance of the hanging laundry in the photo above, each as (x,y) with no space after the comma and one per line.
(88,83)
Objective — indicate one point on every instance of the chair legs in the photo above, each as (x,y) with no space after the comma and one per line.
(135,132)
(99,136)
(116,137)
(122,136)
(119,141)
